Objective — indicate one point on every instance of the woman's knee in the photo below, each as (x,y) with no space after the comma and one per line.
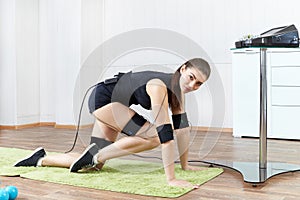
(114,113)
(154,142)
(109,108)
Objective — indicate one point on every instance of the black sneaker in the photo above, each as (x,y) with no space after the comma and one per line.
(86,158)
(32,159)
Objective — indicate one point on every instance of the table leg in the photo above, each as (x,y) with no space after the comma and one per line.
(259,172)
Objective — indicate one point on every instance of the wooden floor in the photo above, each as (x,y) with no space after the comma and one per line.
(204,146)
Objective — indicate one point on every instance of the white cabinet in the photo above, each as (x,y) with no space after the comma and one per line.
(245,67)
(283,96)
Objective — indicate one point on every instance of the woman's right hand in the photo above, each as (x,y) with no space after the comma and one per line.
(182,183)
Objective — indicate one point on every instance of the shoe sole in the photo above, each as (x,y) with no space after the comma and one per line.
(35,151)
(85,151)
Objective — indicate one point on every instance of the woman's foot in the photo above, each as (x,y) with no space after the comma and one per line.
(86,159)
(32,160)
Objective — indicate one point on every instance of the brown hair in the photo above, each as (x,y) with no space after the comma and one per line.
(176,98)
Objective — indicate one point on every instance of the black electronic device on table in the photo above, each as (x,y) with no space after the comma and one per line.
(286,36)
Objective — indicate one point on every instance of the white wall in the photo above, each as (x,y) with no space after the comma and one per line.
(41,59)
(27,61)
(92,20)
(48,19)
(214,25)
(44,42)
(8,100)
(60,30)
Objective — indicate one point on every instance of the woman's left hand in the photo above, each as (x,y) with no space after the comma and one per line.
(193,168)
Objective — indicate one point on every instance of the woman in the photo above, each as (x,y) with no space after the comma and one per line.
(109,103)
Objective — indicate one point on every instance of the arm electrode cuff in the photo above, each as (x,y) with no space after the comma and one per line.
(180,121)
(165,133)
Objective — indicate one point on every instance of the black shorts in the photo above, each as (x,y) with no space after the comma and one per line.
(100,96)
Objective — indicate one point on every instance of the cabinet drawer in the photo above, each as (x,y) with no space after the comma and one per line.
(285,96)
(285,59)
(286,76)
(285,122)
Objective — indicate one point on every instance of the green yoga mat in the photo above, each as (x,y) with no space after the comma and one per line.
(119,175)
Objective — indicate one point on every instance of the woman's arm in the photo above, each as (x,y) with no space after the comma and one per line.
(183,139)
(182,136)
(157,91)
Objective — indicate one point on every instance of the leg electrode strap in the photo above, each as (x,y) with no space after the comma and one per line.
(100,142)
(165,133)
(134,125)
(180,121)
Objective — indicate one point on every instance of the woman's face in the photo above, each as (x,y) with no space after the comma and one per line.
(191,79)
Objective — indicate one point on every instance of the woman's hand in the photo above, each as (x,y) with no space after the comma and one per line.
(182,183)
(192,168)
(97,167)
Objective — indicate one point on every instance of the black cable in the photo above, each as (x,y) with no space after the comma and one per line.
(148,157)
(80,111)
(150,125)
(176,161)
(79,118)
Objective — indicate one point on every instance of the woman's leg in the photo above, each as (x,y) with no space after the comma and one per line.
(116,116)
(109,122)
(39,158)
(59,160)
(65,160)
(101,130)
(128,145)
